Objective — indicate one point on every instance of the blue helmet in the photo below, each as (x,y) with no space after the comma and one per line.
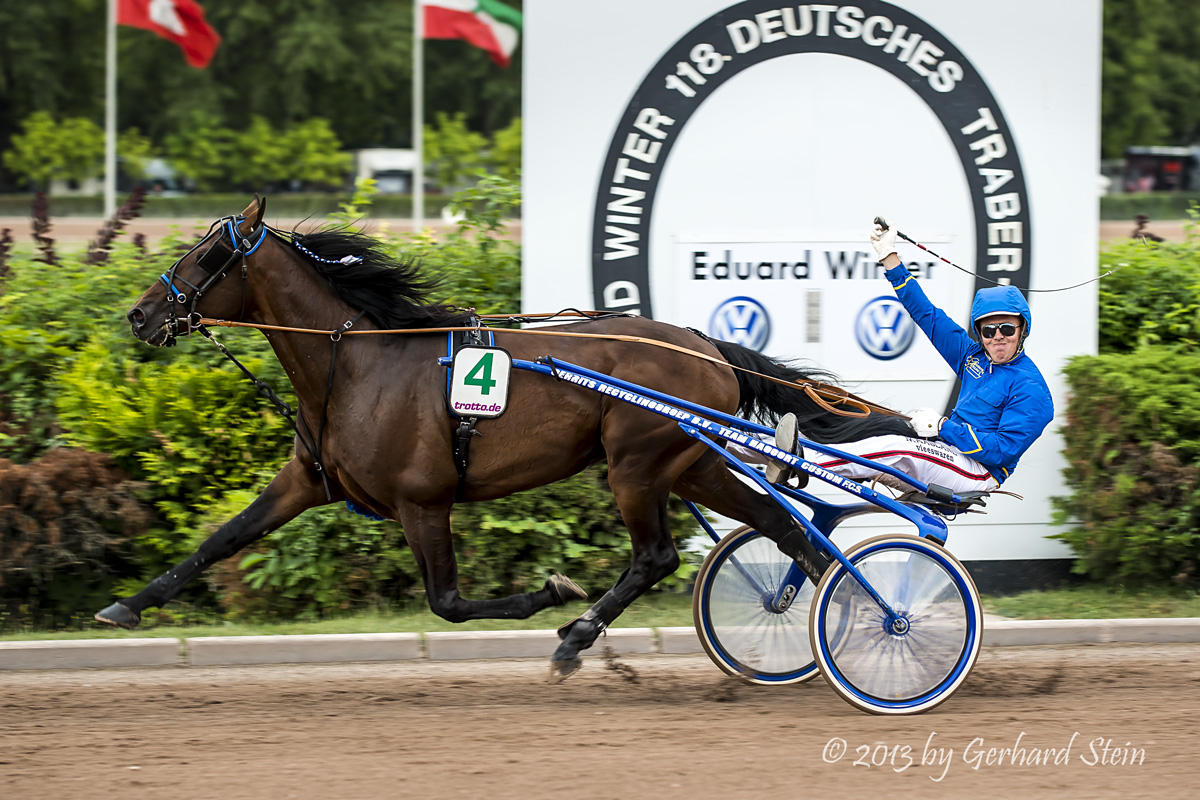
(1000,300)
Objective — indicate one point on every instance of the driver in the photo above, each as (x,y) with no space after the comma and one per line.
(1003,405)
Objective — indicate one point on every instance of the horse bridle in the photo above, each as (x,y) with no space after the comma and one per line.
(216,261)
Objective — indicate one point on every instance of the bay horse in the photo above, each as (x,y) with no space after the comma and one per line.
(378,432)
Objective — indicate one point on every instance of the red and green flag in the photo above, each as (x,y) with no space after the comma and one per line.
(488,24)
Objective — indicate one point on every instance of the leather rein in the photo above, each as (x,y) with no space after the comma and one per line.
(219,258)
(822,394)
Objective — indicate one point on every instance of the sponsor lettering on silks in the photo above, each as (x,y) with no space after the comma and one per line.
(936,449)
(879,33)
(973,366)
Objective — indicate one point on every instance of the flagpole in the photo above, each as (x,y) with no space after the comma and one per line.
(418,117)
(110,112)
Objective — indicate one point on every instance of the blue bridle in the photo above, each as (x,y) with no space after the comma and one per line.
(242,248)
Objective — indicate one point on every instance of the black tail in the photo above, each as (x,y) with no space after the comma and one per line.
(766,401)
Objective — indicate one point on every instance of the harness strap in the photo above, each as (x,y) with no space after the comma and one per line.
(280,405)
(311,444)
(462,446)
(335,338)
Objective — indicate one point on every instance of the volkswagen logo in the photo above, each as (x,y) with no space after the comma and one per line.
(741,320)
(884,329)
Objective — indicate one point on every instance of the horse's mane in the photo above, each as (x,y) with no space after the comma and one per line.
(391,291)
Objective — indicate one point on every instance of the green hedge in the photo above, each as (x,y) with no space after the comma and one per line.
(1133,422)
(1151,297)
(1133,450)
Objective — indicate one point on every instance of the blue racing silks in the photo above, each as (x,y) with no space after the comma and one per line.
(1002,408)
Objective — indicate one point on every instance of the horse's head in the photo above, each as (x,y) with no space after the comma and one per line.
(194,287)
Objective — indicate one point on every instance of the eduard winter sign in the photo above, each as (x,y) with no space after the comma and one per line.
(755,31)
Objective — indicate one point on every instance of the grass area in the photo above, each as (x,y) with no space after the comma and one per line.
(1093,602)
(652,611)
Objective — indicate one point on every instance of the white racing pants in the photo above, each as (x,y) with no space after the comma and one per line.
(925,460)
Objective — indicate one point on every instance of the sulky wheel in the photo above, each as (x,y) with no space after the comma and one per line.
(743,630)
(916,660)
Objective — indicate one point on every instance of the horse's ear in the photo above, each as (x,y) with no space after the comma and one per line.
(252,217)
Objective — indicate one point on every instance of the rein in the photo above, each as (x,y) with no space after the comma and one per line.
(821,393)
(211,261)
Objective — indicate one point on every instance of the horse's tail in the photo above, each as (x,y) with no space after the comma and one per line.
(767,400)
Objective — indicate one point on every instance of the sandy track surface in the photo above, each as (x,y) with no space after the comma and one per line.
(77,231)
(648,726)
(80,230)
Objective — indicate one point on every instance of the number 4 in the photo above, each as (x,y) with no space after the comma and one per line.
(484,381)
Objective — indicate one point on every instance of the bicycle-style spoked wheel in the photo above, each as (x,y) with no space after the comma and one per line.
(736,619)
(913,664)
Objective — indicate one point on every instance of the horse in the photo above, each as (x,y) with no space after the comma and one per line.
(384,436)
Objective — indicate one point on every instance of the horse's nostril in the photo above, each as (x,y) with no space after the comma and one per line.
(137,317)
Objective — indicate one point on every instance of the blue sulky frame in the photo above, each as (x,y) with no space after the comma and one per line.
(701,423)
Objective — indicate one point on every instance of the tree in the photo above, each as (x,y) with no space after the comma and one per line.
(1151,74)
(452,150)
(286,61)
(47,149)
(203,152)
(313,155)
(260,156)
(52,60)
(135,151)
(505,156)
(33,154)
(81,143)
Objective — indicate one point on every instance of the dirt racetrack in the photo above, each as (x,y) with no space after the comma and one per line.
(77,231)
(633,727)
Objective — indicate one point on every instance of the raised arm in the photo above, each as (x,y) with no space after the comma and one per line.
(950,340)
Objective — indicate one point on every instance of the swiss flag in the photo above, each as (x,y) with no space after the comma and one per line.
(179,21)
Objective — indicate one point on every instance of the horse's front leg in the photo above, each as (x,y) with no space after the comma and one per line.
(295,489)
(427,530)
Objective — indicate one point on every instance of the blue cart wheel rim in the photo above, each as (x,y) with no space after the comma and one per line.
(872,667)
(737,630)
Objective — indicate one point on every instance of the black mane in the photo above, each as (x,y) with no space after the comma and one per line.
(392,292)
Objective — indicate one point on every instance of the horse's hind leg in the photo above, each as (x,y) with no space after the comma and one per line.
(643,503)
(293,490)
(710,483)
(427,530)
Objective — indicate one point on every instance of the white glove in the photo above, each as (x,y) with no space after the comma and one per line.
(883,239)
(926,422)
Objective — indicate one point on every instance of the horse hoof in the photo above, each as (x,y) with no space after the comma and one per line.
(561,670)
(564,589)
(120,616)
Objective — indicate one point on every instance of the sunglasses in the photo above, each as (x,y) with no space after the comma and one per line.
(1007,329)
